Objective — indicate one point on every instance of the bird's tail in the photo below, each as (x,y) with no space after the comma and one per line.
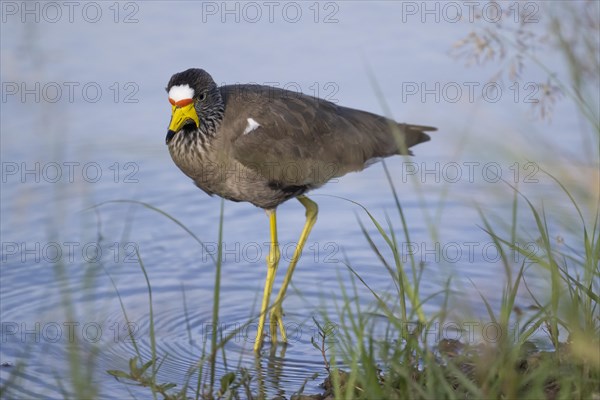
(411,135)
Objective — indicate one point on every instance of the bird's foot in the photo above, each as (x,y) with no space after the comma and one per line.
(275,321)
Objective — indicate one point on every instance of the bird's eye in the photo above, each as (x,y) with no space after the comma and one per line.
(202,96)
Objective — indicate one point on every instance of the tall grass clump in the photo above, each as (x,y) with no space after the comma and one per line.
(404,363)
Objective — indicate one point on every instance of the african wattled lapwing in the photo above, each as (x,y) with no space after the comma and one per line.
(266,145)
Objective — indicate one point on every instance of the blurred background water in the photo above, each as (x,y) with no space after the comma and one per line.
(83,121)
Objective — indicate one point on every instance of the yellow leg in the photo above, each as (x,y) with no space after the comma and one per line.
(276,317)
(272,261)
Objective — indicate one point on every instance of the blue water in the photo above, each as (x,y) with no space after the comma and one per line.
(84,116)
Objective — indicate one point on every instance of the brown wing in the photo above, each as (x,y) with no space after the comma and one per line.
(302,140)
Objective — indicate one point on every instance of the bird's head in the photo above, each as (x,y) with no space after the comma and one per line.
(195,100)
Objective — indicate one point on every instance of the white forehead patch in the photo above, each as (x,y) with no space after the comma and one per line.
(252,125)
(181,92)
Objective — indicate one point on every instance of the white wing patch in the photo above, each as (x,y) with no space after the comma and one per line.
(181,92)
(252,125)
